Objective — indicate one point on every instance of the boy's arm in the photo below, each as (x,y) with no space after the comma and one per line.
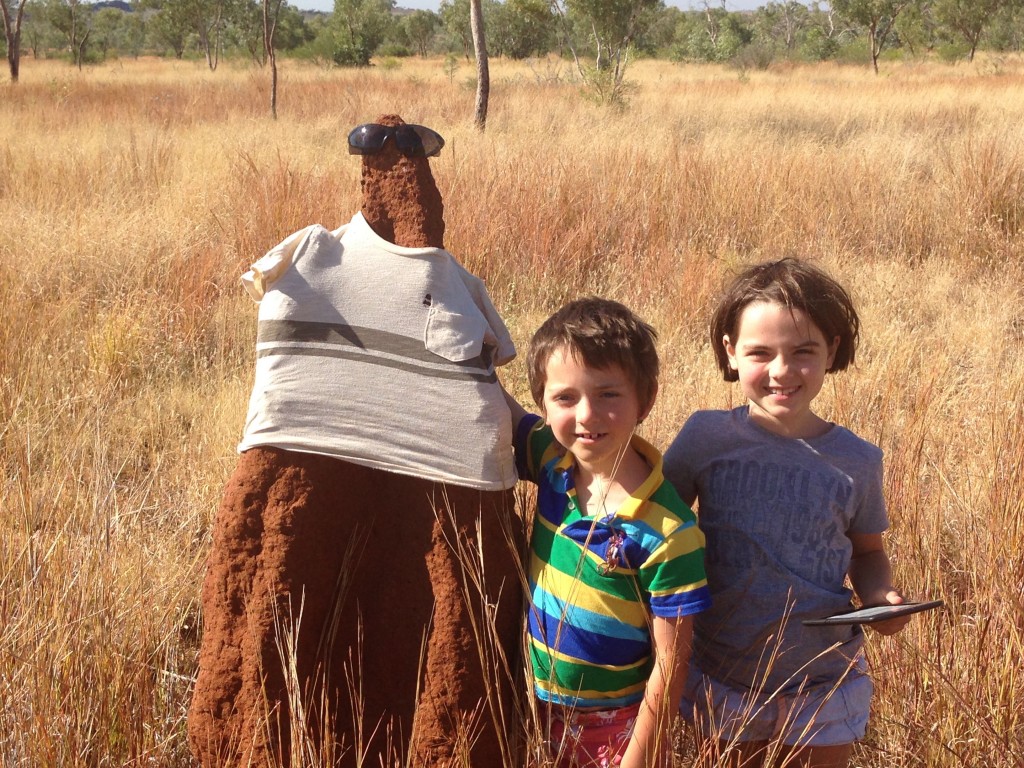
(871,576)
(651,743)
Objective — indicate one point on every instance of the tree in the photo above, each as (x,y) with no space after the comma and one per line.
(271,13)
(610,28)
(532,24)
(108,30)
(208,20)
(14,12)
(169,28)
(246,29)
(132,33)
(1006,30)
(72,19)
(455,15)
(420,27)
(877,16)
(37,31)
(782,23)
(657,37)
(713,34)
(821,40)
(518,28)
(356,29)
(917,28)
(483,76)
(968,18)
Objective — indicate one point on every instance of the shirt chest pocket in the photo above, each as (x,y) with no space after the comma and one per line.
(454,336)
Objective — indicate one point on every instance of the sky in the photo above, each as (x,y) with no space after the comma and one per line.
(432,5)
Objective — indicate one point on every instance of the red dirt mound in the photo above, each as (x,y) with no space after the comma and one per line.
(401,202)
(311,536)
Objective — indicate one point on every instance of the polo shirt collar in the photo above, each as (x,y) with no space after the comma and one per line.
(561,475)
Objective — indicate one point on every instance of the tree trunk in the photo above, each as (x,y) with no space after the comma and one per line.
(269,28)
(14,54)
(483,76)
(80,50)
(12,31)
(273,86)
(972,41)
(876,45)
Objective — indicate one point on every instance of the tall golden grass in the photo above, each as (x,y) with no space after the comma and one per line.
(133,194)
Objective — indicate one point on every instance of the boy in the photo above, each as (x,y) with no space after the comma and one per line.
(616,563)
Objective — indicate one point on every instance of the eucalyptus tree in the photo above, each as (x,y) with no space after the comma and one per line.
(111,32)
(208,20)
(358,27)
(712,34)
(73,20)
(168,27)
(455,17)
(607,28)
(968,18)
(782,23)
(876,16)
(37,33)
(532,27)
(519,28)
(246,31)
(1006,30)
(420,26)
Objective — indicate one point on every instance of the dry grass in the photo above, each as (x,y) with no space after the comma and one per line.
(134,194)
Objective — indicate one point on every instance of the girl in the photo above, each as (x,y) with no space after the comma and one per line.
(791,506)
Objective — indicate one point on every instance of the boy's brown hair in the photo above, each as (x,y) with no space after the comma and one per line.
(599,333)
(794,284)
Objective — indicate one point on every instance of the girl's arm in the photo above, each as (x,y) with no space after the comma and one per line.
(651,743)
(871,576)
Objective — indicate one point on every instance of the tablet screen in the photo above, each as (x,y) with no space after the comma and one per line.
(873,613)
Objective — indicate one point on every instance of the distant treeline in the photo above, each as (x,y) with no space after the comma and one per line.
(358,30)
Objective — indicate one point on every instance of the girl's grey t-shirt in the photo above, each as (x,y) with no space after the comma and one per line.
(775,512)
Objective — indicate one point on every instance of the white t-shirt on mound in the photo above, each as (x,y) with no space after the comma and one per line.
(380,355)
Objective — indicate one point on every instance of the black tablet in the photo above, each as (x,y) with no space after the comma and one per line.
(873,614)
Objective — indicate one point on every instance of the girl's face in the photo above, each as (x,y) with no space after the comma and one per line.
(782,358)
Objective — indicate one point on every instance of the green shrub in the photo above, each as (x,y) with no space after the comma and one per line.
(394,50)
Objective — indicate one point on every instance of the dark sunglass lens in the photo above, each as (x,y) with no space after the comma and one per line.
(408,141)
(430,140)
(367,139)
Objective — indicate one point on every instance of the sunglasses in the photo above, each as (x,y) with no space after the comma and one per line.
(410,140)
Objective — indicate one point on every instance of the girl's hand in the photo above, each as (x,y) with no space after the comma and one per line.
(892,626)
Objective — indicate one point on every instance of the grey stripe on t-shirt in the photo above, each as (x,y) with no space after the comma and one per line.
(281,337)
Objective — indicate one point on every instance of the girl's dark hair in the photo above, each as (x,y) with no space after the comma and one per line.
(794,284)
(598,333)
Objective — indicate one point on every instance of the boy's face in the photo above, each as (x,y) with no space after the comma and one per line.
(592,412)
